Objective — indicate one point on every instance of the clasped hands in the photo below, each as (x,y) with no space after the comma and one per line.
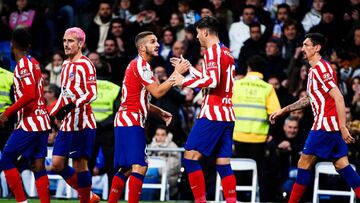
(181,66)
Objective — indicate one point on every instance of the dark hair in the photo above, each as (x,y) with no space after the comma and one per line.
(255,24)
(210,23)
(284,5)
(248,6)
(22,38)
(317,39)
(141,36)
(117,20)
(209,6)
(55,89)
(289,22)
(256,63)
(163,127)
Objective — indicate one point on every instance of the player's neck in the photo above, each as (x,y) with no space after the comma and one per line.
(211,41)
(75,57)
(18,54)
(146,57)
(313,60)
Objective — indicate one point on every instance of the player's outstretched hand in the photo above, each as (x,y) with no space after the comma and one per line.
(60,115)
(166,116)
(276,115)
(182,65)
(346,136)
(3,120)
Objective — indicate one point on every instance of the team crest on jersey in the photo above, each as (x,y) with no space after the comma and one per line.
(326,76)
(147,74)
(71,76)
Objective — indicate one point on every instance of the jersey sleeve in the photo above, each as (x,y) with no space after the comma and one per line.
(211,72)
(26,85)
(325,77)
(88,75)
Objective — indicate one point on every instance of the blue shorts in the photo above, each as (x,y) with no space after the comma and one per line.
(75,144)
(211,138)
(32,145)
(130,146)
(324,144)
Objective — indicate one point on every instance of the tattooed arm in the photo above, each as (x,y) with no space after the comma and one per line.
(299,104)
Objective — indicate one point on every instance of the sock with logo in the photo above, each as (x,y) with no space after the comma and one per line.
(228,182)
(117,187)
(302,181)
(42,186)
(135,185)
(196,179)
(14,181)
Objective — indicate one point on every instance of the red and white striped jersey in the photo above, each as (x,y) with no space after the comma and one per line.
(321,78)
(217,77)
(29,96)
(135,99)
(78,86)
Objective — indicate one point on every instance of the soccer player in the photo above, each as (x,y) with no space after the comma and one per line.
(77,131)
(328,136)
(212,132)
(130,141)
(32,129)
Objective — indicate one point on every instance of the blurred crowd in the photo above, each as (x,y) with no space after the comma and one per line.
(272,29)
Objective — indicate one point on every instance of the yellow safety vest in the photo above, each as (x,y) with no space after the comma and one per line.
(6,80)
(249,99)
(106,95)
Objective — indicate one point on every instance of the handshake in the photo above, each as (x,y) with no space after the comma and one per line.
(181,66)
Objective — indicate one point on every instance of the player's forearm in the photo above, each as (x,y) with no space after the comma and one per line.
(27,97)
(87,98)
(199,82)
(300,104)
(162,89)
(155,109)
(340,109)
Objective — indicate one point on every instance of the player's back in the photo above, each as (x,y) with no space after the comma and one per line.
(135,98)
(218,99)
(33,116)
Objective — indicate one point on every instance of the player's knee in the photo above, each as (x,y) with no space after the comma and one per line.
(57,166)
(192,155)
(139,169)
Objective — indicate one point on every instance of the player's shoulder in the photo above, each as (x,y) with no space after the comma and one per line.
(84,62)
(323,66)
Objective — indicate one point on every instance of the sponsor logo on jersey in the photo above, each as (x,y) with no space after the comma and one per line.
(211,65)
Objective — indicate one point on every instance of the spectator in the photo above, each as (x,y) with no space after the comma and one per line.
(120,32)
(176,24)
(291,39)
(163,139)
(239,31)
(254,45)
(262,15)
(313,17)
(51,94)
(189,15)
(54,67)
(285,98)
(355,101)
(276,65)
(178,49)
(122,9)
(116,62)
(98,29)
(282,15)
(103,69)
(45,76)
(222,13)
(163,9)
(166,42)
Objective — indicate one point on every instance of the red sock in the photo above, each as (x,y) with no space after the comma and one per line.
(357,192)
(14,181)
(42,187)
(229,188)
(197,184)
(117,187)
(296,193)
(135,185)
(84,194)
(72,181)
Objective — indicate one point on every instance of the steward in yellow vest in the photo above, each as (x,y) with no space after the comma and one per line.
(254,100)
(6,80)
